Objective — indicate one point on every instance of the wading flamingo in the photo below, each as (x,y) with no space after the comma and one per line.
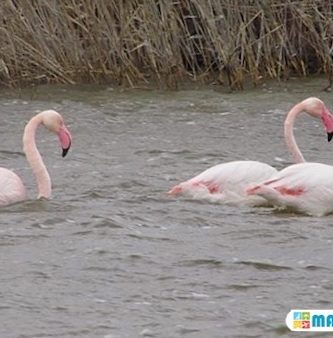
(306,187)
(12,189)
(227,182)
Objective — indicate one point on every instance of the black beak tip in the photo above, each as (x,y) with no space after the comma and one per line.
(329,136)
(64,152)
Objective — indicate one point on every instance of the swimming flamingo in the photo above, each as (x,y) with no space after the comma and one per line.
(228,182)
(12,189)
(306,187)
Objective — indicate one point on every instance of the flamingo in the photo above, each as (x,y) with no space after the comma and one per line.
(12,189)
(305,187)
(228,182)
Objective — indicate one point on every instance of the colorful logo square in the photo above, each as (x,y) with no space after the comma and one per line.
(305,315)
(305,324)
(297,324)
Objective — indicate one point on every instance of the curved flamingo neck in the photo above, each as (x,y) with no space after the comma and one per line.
(34,158)
(289,132)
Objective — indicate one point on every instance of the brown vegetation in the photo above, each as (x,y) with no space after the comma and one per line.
(131,42)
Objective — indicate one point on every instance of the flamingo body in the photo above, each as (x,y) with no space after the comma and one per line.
(226,182)
(306,187)
(12,189)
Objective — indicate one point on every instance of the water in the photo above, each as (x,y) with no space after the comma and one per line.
(112,256)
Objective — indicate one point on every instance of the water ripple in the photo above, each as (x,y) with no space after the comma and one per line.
(210,263)
(262,265)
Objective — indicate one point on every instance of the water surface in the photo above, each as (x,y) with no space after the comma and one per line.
(112,256)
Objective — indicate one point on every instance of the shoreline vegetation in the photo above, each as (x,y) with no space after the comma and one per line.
(139,42)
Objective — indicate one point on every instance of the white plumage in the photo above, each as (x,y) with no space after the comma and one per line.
(306,187)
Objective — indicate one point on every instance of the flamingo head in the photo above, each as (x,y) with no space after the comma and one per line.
(316,108)
(54,122)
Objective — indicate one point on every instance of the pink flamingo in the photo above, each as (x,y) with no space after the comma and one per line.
(12,189)
(228,182)
(306,187)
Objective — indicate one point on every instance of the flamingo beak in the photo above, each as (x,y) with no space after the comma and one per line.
(65,139)
(327,120)
(329,136)
(65,151)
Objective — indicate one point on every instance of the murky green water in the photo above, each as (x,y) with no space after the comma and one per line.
(112,256)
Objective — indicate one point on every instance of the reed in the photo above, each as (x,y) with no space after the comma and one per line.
(131,42)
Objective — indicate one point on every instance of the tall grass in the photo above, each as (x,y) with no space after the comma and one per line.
(130,42)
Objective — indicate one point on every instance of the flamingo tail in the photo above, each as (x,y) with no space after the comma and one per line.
(176,190)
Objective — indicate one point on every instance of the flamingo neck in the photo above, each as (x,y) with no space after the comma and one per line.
(289,133)
(34,158)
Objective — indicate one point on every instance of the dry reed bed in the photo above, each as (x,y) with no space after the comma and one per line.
(131,42)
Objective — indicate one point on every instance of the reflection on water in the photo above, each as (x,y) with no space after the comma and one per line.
(113,256)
